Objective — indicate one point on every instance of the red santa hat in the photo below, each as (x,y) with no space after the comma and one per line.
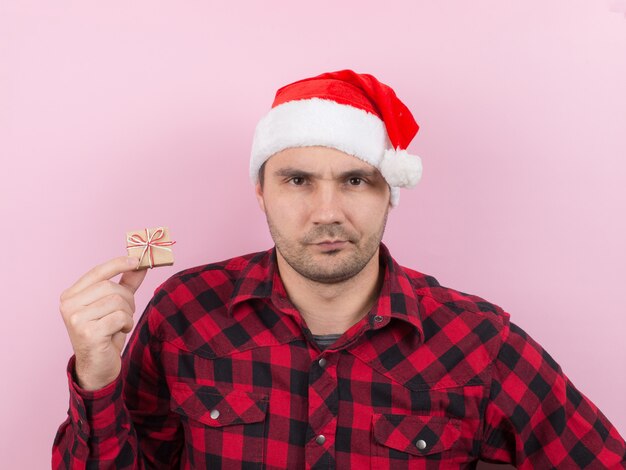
(348,111)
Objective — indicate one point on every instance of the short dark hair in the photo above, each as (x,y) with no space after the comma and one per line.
(262,174)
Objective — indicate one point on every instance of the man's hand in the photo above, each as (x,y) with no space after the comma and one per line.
(98,314)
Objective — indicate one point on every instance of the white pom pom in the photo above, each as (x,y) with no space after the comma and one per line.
(400,168)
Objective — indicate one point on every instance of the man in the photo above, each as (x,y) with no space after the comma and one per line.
(322,352)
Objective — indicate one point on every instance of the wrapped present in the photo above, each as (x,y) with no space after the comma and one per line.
(151,246)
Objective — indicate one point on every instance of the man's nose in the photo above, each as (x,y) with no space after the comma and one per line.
(327,205)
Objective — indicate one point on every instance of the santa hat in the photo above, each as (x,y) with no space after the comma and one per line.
(348,111)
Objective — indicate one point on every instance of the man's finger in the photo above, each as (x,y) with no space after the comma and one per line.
(133,279)
(102,272)
(95,292)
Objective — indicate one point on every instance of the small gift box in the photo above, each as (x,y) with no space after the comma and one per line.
(151,246)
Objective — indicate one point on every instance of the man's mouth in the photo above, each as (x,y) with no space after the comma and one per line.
(332,244)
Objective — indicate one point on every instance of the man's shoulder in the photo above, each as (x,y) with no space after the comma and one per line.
(190,308)
(220,277)
(436,297)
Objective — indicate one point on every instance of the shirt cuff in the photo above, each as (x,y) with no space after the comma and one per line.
(93,412)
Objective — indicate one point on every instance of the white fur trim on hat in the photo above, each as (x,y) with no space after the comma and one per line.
(316,121)
(394,196)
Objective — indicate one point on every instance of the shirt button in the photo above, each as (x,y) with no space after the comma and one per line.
(378,318)
(322,362)
(421,444)
(320,439)
(214,414)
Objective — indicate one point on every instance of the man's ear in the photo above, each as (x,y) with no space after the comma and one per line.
(258,192)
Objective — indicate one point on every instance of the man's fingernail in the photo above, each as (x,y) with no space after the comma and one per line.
(132,261)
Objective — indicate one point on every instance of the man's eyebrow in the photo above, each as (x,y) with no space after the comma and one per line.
(358,173)
(290,172)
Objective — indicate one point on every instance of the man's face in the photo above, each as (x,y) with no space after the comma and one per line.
(326,211)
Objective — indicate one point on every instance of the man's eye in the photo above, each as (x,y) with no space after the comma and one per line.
(297,180)
(355,181)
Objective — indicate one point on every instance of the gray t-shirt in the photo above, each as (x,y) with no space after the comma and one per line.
(323,341)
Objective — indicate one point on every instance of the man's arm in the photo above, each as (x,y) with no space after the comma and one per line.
(536,418)
(128,423)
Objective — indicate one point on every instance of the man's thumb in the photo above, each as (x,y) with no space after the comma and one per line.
(133,279)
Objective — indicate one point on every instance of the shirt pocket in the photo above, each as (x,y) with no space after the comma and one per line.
(412,439)
(225,427)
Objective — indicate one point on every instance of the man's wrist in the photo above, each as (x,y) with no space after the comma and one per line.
(85,390)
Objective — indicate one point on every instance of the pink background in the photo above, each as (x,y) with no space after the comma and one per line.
(120,116)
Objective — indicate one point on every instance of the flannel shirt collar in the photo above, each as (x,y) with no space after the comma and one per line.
(259,279)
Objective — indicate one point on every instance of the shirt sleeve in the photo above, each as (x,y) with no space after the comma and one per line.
(536,418)
(127,424)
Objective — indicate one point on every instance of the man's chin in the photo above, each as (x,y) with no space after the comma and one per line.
(328,277)
(329,267)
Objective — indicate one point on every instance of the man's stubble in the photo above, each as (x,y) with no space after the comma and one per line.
(297,253)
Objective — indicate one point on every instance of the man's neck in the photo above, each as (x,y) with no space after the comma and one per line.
(332,308)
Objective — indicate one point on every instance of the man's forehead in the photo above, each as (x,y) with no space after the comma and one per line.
(318,158)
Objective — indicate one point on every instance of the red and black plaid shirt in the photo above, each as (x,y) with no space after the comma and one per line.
(221,372)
